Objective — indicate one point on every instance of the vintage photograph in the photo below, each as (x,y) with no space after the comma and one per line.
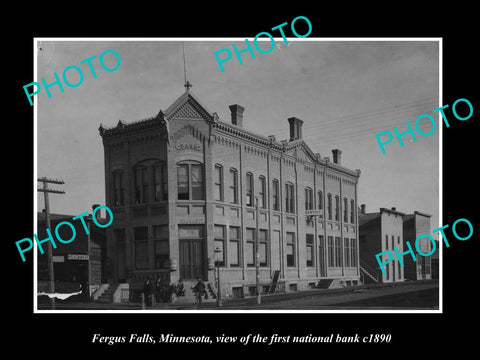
(259,188)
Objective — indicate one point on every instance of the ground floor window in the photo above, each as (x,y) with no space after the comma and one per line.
(141,247)
(310,253)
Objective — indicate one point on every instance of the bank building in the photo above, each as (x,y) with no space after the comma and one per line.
(191,194)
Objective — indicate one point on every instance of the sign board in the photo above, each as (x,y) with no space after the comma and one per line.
(58,258)
(316,212)
(78,257)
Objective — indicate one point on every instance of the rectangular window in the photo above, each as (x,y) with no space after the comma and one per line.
(289,199)
(262,192)
(220,238)
(346,252)
(345,209)
(249,189)
(118,188)
(218,183)
(320,203)
(182,182)
(352,211)
(310,256)
(329,206)
(250,244)
(353,252)
(275,195)
(141,247)
(197,182)
(308,199)
(337,208)
(233,185)
(263,246)
(290,249)
(338,252)
(161,247)
(321,254)
(331,251)
(234,246)
(141,185)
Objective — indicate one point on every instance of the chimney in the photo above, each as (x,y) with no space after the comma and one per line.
(295,128)
(363,209)
(394,209)
(237,114)
(337,156)
(97,215)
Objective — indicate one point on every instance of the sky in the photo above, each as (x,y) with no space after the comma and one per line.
(346,92)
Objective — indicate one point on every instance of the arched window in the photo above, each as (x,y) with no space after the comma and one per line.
(160,181)
(275,195)
(308,199)
(118,188)
(140,183)
(233,186)
(329,206)
(262,192)
(218,183)
(249,188)
(337,208)
(320,203)
(289,198)
(352,211)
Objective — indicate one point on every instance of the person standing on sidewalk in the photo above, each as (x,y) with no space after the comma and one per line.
(199,290)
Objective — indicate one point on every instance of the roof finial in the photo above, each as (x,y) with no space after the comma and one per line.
(187,83)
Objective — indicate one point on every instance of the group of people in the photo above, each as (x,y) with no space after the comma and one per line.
(160,291)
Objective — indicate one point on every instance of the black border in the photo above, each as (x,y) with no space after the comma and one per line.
(57,333)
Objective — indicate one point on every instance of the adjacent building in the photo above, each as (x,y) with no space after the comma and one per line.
(381,231)
(415,225)
(190,191)
(78,263)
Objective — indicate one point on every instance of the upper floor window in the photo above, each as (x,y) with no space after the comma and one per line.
(218,183)
(262,192)
(160,182)
(329,206)
(190,181)
(118,188)
(249,188)
(289,198)
(352,211)
(320,203)
(233,186)
(337,208)
(141,184)
(308,199)
(345,210)
(275,195)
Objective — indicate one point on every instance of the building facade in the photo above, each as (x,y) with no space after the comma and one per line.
(190,191)
(415,225)
(381,231)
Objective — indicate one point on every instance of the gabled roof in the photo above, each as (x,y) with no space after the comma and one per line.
(189,106)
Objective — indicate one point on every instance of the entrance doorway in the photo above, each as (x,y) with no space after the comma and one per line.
(191,241)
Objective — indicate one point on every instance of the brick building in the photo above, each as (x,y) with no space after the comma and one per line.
(184,183)
(381,231)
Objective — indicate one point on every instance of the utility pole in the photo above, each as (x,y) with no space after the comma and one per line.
(257,256)
(46,190)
